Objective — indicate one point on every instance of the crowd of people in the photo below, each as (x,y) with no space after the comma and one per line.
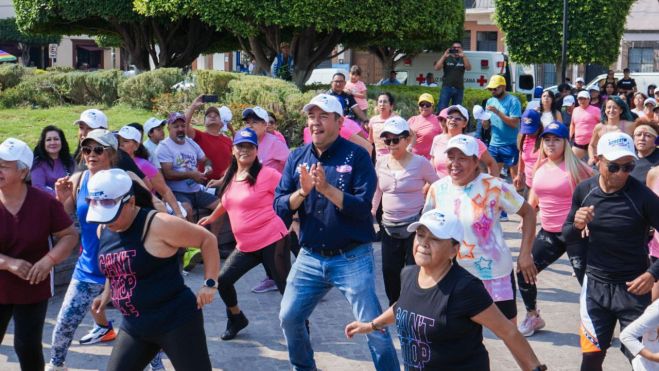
(147,195)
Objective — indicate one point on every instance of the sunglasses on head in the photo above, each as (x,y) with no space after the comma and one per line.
(98,150)
(425,105)
(108,203)
(612,167)
(390,141)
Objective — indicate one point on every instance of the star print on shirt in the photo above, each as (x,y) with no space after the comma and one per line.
(483,264)
(470,250)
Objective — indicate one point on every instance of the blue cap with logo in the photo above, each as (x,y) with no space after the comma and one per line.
(556,128)
(530,122)
(246,135)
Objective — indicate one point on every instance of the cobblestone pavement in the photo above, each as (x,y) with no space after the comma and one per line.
(261,345)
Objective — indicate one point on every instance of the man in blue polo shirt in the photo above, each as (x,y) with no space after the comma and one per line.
(330,184)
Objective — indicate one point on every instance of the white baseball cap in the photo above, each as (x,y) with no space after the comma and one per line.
(152,123)
(325,102)
(463,111)
(395,125)
(616,145)
(442,225)
(94,118)
(102,137)
(108,190)
(480,113)
(651,101)
(568,101)
(257,111)
(130,133)
(581,94)
(464,143)
(13,149)
(225,114)
(580,79)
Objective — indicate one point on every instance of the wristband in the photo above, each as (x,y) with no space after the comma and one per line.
(374,327)
(51,258)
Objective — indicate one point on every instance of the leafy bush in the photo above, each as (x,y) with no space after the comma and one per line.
(11,75)
(141,90)
(213,82)
(52,88)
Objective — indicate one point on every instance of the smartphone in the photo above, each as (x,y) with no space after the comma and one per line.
(453,51)
(209,98)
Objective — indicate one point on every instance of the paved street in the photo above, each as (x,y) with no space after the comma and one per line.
(261,346)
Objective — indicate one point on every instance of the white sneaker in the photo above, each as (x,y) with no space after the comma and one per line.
(52,367)
(531,324)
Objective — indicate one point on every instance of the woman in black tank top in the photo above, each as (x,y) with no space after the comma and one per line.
(137,254)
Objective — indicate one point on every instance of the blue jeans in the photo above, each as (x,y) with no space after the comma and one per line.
(449,94)
(310,278)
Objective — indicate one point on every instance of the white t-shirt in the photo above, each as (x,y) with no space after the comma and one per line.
(184,157)
(483,251)
(645,326)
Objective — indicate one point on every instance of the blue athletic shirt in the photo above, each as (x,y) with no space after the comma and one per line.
(502,134)
(86,269)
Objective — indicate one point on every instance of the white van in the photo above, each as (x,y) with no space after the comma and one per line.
(324,75)
(643,80)
(520,78)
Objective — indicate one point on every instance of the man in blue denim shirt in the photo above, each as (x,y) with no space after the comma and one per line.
(330,183)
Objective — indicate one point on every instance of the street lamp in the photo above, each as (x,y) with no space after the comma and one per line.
(564,47)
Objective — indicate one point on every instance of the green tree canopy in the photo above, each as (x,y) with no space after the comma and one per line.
(314,29)
(534,29)
(166,42)
(10,34)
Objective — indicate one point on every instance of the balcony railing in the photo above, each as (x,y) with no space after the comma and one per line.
(479,4)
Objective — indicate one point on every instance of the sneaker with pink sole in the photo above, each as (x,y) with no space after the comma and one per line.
(531,324)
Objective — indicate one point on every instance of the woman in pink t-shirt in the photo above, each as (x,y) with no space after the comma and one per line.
(652,182)
(247,193)
(584,119)
(528,144)
(350,130)
(386,104)
(456,117)
(357,88)
(424,126)
(556,175)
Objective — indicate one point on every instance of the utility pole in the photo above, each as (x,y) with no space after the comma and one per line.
(564,48)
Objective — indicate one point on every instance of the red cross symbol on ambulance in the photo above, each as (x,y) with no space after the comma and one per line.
(481,80)
(420,79)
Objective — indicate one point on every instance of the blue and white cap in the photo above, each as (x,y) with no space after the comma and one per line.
(616,145)
(441,224)
(246,135)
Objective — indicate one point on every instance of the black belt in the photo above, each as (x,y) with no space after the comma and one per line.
(328,253)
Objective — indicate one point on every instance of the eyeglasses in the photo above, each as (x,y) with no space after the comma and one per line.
(644,134)
(98,150)
(425,105)
(338,81)
(495,89)
(108,203)
(454,118)
(612,167)
(390,141)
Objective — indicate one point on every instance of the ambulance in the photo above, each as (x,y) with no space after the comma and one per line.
(519,78)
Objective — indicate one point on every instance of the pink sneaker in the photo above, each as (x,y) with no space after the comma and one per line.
(264,286)
(531,324)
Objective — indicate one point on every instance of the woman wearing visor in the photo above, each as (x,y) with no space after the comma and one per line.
(137,254)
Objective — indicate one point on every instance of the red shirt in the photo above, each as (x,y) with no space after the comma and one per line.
(217,149)
(25,236)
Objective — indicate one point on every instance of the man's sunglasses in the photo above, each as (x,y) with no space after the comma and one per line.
(98,150)
(390,141)
(612,167)
(108,203)
(425,105)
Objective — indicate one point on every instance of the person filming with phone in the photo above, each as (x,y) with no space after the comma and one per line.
(454,63)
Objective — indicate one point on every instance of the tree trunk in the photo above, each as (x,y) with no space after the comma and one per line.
(309,49)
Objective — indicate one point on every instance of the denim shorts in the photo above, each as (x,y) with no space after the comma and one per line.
(198,200)
(506,154)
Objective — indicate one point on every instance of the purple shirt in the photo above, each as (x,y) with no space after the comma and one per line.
(44,177)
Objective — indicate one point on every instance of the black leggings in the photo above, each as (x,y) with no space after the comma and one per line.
(275,257)
(396,253)
(547,248)
(185,346)
(28,329)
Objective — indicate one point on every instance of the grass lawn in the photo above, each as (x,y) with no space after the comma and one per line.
(26,123)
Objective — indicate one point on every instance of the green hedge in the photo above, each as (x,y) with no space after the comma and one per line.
(141,90)
(11,75)
(48,89)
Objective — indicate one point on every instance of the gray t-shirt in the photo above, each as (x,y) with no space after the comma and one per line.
(183,157)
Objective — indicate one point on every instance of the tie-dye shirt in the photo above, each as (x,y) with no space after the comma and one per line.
(483,251)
